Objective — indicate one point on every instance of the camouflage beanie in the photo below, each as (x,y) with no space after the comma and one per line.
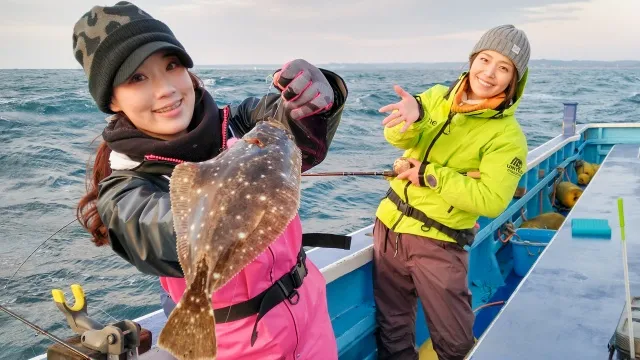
(111,42)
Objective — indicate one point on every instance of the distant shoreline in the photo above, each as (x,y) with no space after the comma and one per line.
(534,64)
(539,64)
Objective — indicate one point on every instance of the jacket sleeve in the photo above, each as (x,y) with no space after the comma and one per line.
(501,167)
(313,134)
(410,138)
(138,215)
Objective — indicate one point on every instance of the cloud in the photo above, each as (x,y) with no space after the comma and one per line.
(274,31)
(555,12)
(207,7)
(179,8)
(360,22)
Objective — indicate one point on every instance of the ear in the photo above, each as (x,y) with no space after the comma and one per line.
(114,105)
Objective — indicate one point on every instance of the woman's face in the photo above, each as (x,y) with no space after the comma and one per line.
(158,98)
(490,74)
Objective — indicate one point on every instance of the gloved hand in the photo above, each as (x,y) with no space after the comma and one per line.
(305,90)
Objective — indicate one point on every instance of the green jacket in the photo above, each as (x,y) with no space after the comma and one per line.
(490,141)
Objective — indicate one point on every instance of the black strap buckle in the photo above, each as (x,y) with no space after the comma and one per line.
(289,295)
(294,294)
(298,273)
(404,208)
(464,237)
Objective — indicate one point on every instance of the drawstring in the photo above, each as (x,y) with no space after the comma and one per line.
(386,240)
(397,238)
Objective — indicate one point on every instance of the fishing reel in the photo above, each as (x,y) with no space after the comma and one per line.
(123,340)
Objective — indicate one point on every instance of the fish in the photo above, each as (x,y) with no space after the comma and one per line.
(226,212)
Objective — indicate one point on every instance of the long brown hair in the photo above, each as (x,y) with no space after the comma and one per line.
(87,211)
(510,91)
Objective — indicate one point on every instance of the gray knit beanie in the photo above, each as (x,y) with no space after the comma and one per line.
(111,42)
(508,41)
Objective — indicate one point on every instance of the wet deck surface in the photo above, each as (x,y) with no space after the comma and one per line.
(570,303)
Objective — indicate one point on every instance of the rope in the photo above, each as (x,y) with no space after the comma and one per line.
(557,181)
(510,230)
(488,305)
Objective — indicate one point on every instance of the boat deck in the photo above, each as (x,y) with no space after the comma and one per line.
(569,304)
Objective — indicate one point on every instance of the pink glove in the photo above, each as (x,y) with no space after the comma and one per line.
(305,90)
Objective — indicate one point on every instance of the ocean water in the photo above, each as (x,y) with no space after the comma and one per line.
(48,122)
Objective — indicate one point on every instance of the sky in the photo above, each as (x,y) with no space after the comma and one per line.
(38,33)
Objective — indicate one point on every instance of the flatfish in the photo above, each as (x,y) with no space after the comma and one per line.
(226,212)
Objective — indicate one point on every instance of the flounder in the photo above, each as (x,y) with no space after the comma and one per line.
(226,212)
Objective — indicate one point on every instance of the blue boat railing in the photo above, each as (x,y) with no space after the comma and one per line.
(591,142)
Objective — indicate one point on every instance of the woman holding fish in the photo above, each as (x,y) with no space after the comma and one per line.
(430,210)
(161,116)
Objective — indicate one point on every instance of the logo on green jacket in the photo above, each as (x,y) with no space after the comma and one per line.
(515,167)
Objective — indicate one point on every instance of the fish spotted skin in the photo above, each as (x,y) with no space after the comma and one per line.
(226,212)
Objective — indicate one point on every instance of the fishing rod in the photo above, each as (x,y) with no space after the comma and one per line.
(29,323)
(34,251)
(387,173)
(45,333)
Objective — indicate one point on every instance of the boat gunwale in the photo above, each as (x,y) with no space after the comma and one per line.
(355,260)
(350,260)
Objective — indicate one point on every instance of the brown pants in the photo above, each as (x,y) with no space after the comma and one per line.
(436,272)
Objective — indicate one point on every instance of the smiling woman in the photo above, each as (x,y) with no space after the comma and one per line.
(161,116)
(158,97)
(491,73)
(430,211)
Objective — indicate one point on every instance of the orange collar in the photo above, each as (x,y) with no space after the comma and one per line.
(459,107)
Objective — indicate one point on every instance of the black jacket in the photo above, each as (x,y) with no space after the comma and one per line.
(134,204)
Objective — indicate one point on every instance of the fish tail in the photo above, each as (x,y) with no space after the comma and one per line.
(189,333)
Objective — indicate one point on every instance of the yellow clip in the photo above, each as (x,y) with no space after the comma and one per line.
(78,295)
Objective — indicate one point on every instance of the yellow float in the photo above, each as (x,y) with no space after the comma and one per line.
(568,193)
(551,221)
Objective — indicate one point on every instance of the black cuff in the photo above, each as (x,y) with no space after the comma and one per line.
(421,172)
(420,109)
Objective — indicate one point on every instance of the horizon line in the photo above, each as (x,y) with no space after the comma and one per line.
(354,63)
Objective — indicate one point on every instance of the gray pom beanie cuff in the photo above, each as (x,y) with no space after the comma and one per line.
(508,41)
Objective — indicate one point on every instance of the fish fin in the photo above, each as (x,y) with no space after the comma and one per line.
(190,330)
(181,184)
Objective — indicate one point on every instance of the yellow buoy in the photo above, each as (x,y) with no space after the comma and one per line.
(589,169)
(584,179)
(426,351)
(583,167)
(568,193)
(551,220)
